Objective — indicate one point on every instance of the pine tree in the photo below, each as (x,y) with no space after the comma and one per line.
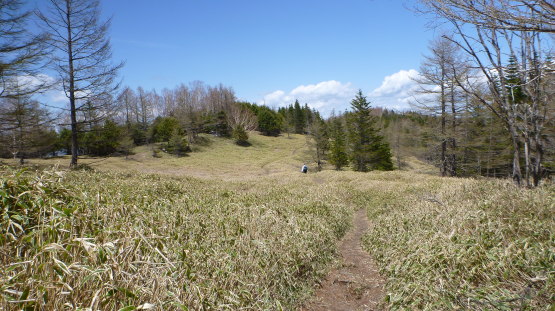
(287,115)
(240,136)
(300,118)
(514,82)
(177,144)
(338,145)
(368,150)
(125,143)
(269,121)
(319,142)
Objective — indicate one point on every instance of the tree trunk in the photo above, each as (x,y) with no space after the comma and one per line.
(517,173)
(74,141)
(443,138)
(398,146)
(527,161)
(537,167)
(453,158)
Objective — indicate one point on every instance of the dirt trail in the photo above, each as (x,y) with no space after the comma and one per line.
(356,283)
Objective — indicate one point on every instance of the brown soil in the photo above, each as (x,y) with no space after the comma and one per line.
(356,283)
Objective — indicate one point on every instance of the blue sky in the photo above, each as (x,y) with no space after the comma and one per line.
(272,52)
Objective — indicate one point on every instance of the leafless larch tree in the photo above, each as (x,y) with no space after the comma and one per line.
(82,59)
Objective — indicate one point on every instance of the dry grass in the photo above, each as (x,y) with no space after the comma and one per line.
(414,165)
(463,244)
(254,234)
(113,240)
(219,158)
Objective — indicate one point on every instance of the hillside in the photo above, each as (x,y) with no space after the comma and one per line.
(215,158)
(218,158)
(231,227)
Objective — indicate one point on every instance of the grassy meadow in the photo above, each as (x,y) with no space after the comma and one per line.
(240,228)
(216,157)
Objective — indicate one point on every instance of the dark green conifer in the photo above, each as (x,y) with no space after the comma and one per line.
(300,118)
(368,150)
(338,145)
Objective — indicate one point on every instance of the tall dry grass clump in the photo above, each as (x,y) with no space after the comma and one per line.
(115,241)
(89,240)
(461,244)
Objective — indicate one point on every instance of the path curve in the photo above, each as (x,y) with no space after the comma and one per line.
(356,283)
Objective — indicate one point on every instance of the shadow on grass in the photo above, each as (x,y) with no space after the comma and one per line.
(122,154)
(243,143)
(84,167)
(203,141)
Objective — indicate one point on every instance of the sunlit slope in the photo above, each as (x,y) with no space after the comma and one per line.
(221,158)
(218,157)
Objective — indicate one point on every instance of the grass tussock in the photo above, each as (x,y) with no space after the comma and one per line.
(461,244)
(111,241)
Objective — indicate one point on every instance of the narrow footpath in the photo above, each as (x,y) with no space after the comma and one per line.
(356,284)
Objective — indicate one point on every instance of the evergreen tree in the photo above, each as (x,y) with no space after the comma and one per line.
(338,145)
(287,115)
(299,118)
(102,140)
(319,140)
(177,144)
(240,135)
(514,82)
(222,126)
(368,150)
(163,128)
(269,122)
(125,143)
(310,116)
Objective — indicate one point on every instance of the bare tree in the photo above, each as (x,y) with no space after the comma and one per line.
(127,105)
(83,58)
(21,52)
(516,15)
(168,98)
(186,111)
(145,108)
(439,94)
(241,116)
(24,127)
(489,43)
(219,98)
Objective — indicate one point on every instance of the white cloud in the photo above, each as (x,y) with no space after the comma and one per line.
(27,83)
(396,83)
(324,96)
(37,80)
(397,91)
(57,96)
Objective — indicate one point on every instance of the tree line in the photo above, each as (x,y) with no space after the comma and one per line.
(485,103)
(495,61)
